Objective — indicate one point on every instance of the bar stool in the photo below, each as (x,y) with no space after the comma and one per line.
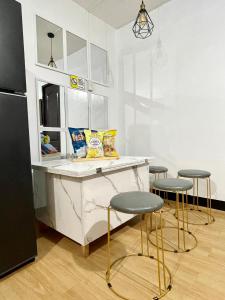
(195,175)
(140,203)
(180,187)
(157,171)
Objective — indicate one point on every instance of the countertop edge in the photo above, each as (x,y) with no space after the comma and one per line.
(53,170)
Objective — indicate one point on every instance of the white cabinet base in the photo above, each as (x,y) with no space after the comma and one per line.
(77,207)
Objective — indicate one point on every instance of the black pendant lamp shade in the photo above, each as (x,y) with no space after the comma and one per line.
(51,61)
(143,26)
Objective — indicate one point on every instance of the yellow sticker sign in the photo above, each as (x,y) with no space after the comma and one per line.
(77,82)
(74,81)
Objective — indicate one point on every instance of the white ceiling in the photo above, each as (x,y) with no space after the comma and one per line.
(117,12)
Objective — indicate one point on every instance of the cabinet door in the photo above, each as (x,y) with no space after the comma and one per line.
(12,68)
(17,232)
(99,112)
(49,44)
(99,65)
(78,109)
(76,55)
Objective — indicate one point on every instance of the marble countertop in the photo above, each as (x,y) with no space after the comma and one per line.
(82,169)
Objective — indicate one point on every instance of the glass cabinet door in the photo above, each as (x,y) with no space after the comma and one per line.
(99,65)
(78,109)
(78,112)
(99,112)
(76,55)
(49,44)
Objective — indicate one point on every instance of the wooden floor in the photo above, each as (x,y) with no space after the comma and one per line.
(60,271)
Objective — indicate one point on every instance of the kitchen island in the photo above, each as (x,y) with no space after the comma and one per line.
(72,197)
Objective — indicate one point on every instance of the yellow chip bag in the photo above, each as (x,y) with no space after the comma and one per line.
(109,143)
(94,143)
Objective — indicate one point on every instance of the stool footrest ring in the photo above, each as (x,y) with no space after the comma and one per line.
(164,292)
(198,223)
(175,249)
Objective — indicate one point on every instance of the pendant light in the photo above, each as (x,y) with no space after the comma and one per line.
(143,25)
(51,61)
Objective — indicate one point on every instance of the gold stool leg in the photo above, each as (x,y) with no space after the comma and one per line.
(208,210)
(151,188)
(193,202)
(197,195)
(162,249)
(158,190)
(164,175)
(147,232)
(155,180)
(178,221)
(210,200)
(150,223)
(109,254)
(141,235)
(187,208)
(167,192)
(183,221)
(158,259)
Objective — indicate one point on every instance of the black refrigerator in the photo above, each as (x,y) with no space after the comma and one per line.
(17,231)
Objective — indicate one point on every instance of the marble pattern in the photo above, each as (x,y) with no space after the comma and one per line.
(96,201)
(77,206)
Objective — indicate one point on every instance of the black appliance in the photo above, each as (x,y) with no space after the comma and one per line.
(50,111)
(17,231)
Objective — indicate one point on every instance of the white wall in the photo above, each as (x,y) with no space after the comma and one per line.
(75,19)
(171,93)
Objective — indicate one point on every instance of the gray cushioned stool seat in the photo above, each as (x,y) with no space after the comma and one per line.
(173,185)
(157,169)
(136,202)
(191,173)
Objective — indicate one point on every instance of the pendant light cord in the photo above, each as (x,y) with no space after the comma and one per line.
(51,47)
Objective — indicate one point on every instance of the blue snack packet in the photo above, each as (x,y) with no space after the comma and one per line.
(78,141)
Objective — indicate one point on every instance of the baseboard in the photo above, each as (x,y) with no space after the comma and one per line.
(216,204)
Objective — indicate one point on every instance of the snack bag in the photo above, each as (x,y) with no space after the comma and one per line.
(109,143)
(78,141)
(94,143)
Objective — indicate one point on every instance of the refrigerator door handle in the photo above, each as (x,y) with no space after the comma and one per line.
(24,95)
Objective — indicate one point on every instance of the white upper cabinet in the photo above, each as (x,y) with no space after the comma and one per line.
(66,52)
(76,55)
(99,112)
(78,109)
(99,65)
(49,44)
